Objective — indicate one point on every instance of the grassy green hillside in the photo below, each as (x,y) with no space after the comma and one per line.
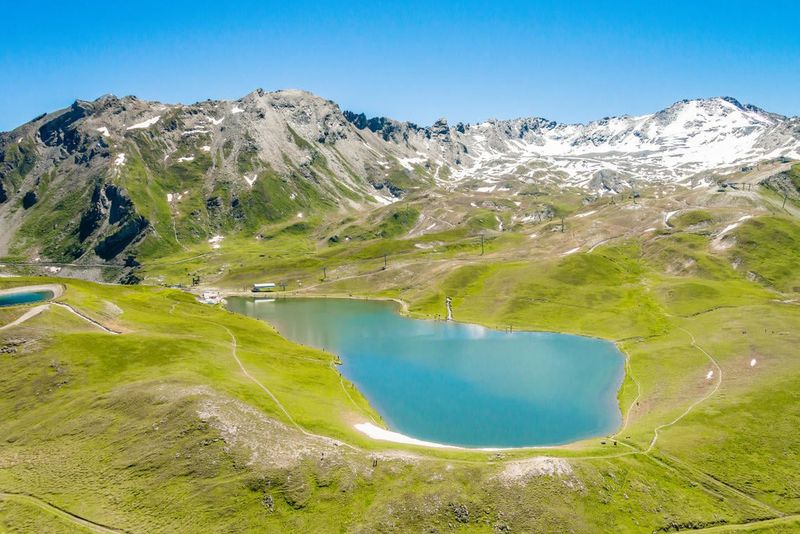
(196,419)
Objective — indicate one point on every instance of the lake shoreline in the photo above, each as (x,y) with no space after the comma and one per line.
(56,289)
(388,435)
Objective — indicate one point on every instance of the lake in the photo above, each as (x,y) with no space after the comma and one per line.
(455,383)
(24,297)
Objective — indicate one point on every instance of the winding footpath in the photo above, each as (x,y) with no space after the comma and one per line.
(234,350)
(30,314)
(87,318)
(30,500)
(698,401)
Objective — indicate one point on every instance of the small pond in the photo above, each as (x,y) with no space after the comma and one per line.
(24,297)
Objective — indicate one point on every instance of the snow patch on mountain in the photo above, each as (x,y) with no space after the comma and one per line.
(688,138)
(145,124)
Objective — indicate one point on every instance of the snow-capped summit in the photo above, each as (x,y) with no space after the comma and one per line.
(687,138)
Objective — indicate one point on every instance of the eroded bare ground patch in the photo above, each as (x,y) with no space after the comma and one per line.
(519,472)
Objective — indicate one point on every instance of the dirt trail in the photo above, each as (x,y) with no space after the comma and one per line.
(788,520)
(86,318)
(234,350)
(25,498)
(33,312)
(698,401)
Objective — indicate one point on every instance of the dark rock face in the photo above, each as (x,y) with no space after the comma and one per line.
(113,245)
(213,204)
(121,205)
(29,199)
(3,194)
(387,128)
(441,128)
(359,120)
(130,279)
(62,130)
(91,219)
(110,203)
(783,183)
(461,512)
(394,189)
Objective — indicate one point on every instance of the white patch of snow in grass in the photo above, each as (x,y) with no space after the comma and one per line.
(387,435)
(215,241)
(195,131)
(104,131)
(169,197)
(236,109)
(120,160)
(586,214)
(486,189)
(250,181)
(300,215)
(144,124)
(205,148)
(382,434)
(709,375)
(408,163)
(216,122)
(734,225)
(571,251)
(753,362)
(185,158)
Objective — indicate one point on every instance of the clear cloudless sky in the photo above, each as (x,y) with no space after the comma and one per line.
(412,60)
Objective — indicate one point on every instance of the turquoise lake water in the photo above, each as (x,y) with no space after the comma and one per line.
(455,383)
(25,298)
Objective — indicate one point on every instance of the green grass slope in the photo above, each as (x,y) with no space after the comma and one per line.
(194,418)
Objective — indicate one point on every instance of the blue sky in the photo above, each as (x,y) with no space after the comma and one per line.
(467,61)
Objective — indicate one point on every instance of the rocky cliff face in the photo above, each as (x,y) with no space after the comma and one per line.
(102,180)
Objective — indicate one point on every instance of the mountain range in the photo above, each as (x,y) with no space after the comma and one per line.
(114,178)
